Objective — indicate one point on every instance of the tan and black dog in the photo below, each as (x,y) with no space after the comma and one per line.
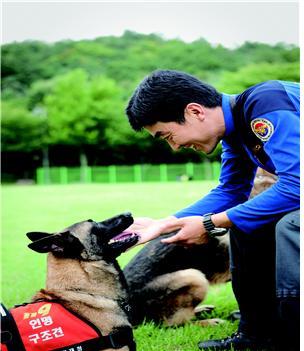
(167,281)
(84,278)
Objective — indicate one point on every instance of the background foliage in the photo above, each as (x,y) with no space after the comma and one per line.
(63,103)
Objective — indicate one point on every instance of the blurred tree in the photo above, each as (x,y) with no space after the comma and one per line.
(252,74)
(21,129)
(26,62)
(83,112)
(259,52)
(37,92)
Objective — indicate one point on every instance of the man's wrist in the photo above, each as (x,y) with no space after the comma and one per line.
(221,220)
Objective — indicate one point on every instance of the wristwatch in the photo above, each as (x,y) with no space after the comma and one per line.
(211,229)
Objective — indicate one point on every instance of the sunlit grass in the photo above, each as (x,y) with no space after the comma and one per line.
(52,208)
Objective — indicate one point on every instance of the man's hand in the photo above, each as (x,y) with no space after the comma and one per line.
(149,228)
(192,231)
(141,223)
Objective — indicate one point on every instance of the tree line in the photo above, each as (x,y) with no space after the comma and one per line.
(63,103)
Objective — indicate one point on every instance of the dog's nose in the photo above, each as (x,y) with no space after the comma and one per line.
(127,214)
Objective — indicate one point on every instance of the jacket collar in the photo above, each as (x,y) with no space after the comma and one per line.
(228,118)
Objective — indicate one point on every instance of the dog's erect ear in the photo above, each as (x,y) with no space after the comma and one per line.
(62,245)
(33,236)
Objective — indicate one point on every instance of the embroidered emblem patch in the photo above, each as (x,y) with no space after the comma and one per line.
(262,128)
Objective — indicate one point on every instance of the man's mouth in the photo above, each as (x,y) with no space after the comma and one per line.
(192,146)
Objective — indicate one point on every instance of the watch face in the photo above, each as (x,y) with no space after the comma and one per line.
(218,231)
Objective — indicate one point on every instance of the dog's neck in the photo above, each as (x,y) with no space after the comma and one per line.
(93,289)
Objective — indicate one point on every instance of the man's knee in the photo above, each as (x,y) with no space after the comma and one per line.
(288,236)
(288,223)
(288,255)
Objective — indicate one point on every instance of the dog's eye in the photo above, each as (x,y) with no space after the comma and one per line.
(90,220)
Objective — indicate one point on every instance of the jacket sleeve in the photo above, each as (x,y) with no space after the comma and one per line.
(284,151)
(234,187)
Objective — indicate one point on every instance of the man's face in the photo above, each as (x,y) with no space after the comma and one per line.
(196,132)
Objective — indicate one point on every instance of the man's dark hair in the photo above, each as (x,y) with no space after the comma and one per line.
(163,95)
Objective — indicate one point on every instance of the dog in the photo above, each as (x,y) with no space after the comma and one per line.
(167,282)
(84,281)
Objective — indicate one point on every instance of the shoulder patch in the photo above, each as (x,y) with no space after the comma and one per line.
(262,128)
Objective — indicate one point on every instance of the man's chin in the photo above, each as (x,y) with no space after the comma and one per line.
(210,152)
(199,148)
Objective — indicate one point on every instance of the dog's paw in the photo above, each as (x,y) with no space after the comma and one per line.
(211,321)
(203,308)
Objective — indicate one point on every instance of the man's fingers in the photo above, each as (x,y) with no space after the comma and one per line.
(167,227)
(177,238)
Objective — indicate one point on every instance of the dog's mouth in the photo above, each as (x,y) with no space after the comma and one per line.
(122,237)
(123,241)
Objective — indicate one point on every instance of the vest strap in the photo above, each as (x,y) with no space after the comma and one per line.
(9,331)
(115,340)
(118,339)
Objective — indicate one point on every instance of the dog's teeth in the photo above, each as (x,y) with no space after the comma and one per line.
(113,241)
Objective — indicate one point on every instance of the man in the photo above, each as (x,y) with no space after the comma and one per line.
(259,127)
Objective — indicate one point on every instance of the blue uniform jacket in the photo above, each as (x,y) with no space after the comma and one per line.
(270,112)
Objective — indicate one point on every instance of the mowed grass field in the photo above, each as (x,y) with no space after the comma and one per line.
(54,207)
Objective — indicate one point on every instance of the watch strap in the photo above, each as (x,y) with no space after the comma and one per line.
(210,227)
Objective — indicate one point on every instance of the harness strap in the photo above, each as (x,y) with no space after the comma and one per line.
(119,338)
(115,340)
(10,336)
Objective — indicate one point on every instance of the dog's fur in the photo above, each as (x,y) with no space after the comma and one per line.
(167,282)
(82,271)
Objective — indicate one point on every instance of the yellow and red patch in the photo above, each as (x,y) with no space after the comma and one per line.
(262,128)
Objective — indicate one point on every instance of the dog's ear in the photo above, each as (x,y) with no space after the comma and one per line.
(33,236)
(61,245)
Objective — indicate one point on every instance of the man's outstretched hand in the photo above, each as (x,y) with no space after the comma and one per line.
(190,230)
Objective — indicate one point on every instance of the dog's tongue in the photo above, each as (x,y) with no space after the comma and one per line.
(123,235)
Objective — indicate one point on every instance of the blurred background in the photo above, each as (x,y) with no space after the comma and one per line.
(68,70)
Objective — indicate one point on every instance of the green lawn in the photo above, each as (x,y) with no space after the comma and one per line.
(51,208)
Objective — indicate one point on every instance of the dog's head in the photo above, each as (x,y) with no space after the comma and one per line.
(88,240)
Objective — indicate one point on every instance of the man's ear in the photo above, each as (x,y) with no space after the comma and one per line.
(33,236)
(61,245)
(195,109)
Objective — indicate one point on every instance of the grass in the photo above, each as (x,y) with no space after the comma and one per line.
(51,208)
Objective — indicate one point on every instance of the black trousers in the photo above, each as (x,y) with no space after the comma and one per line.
(265,275)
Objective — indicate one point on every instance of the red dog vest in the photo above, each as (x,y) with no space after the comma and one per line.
(48,326)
